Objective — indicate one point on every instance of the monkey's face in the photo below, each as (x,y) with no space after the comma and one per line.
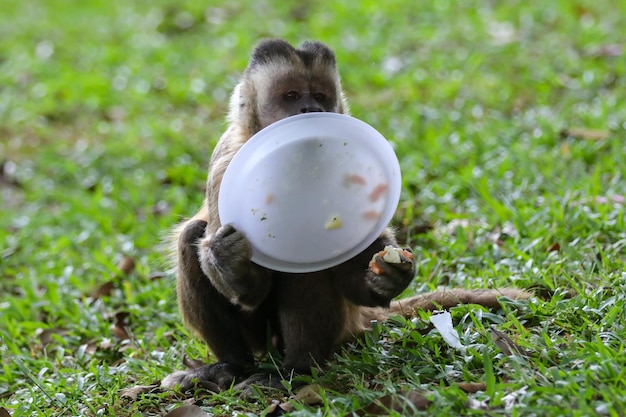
(296,94)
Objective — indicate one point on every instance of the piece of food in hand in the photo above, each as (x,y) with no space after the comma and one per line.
(391,255)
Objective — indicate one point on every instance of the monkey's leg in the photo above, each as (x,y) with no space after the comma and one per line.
(220,323)
(311,315)
(362,286)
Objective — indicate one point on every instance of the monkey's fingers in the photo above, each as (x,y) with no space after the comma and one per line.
(401,259)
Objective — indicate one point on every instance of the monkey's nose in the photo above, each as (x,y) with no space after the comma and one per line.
(310,109)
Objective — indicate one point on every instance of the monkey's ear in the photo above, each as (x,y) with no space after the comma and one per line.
(268,50)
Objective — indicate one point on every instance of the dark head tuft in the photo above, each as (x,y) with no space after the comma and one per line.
(269,49)
(311,50)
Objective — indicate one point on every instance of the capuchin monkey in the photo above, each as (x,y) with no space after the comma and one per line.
(239,308)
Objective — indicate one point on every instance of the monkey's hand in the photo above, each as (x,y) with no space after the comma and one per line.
(390,272)
(225,259)
(227,252)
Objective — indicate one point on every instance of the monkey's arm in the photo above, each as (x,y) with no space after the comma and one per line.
(358,283)
(225,260)
(206,310)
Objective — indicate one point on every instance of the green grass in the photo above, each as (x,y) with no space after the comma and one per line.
(108,114)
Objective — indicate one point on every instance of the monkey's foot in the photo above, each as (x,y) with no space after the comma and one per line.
(266,383)
(213,377)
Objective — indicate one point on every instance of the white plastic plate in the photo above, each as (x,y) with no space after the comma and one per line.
(311,191)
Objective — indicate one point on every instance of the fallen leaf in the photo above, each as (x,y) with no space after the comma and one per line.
(47,336)
(309,394)
(104,290)
(275,409)
(134,392)
(555,247)
(187,411)
(155,276)
(127,265)
(120,332)
(505,344)
(401,402)
(472,387)
(120,325)
(584,133)
(91,347)
(4,412)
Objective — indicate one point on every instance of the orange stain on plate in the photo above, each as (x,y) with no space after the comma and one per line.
(378,192)
(355,179)
(371,215)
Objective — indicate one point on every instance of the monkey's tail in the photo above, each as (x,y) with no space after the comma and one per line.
(440,299)
(447,298)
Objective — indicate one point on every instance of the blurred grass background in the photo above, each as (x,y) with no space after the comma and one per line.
(508,119)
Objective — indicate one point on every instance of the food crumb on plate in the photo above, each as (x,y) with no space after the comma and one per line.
(333,223)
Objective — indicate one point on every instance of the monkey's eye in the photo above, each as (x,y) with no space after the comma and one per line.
(291,96)
(319,96)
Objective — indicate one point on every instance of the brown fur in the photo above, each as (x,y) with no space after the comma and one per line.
(229,301)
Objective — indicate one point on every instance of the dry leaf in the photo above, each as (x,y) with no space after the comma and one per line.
(275,409)
(472,387)
(91,347)
(127,265)
(555,247)
(285,408)
(309,394)
(505,344)
(402,403)
(155,276)
(120,332)
(4,412)
(104,290)
(120,324)
(584,133)
(46,336)
(187,411)
(136,391)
